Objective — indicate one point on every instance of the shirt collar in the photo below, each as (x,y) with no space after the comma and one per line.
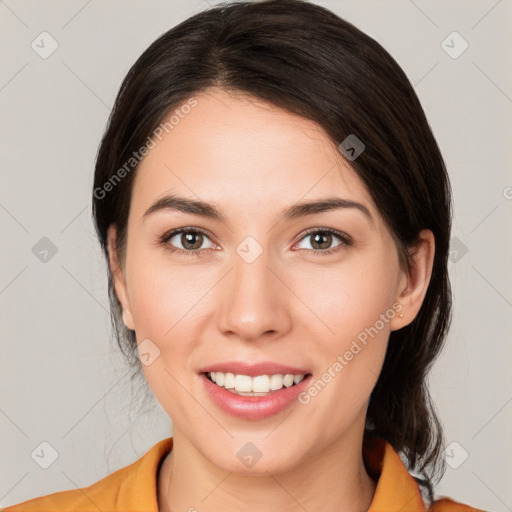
(396,490)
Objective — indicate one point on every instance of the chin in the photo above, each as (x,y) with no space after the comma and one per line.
(256,458)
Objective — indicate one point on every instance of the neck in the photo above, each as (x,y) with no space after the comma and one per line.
(335,479)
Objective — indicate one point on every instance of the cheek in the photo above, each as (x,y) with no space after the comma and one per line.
(350,342)
(166,300)
(166,304)
(353,310)
(349,297)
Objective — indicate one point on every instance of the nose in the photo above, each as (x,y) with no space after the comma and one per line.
(254,300)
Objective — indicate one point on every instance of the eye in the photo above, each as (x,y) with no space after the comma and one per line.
(188,240)
(321,240)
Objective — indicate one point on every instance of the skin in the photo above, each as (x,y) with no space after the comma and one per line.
(291,306)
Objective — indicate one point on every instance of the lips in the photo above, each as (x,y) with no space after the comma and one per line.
(253,407)
(253,369)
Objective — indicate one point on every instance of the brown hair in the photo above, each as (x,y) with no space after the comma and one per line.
(305,59)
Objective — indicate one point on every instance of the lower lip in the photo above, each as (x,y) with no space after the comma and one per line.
(253,407)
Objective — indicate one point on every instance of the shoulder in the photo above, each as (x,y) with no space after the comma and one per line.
(66,500)
(448,505)
(98,496)
(131,488)
(396,488)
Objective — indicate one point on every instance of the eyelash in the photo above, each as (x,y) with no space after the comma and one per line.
(345,240)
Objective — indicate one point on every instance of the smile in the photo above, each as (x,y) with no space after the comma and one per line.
(260,385)
(254,405)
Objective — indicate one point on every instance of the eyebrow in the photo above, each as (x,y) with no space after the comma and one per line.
(203,209)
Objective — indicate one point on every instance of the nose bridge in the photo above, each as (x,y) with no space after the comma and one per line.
(253,299)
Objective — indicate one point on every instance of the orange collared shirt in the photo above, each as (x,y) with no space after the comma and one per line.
(134,487)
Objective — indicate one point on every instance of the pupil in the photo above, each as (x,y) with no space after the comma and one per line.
(318,236)
(189,239)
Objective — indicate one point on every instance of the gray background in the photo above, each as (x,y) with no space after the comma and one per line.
(61,381)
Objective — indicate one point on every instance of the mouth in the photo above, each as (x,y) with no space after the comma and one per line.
(258,385)
(254,397)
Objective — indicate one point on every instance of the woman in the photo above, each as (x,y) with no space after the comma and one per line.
(275,214)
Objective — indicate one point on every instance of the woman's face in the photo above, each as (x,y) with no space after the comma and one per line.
(254,287)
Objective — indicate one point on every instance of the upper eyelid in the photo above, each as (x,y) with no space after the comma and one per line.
(336,232)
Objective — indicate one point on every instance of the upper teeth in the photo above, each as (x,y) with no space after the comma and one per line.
(260,383)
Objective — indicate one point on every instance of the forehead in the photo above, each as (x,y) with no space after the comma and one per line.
(246,155)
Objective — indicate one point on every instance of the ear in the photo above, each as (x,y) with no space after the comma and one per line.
(120,287)
(414,284)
